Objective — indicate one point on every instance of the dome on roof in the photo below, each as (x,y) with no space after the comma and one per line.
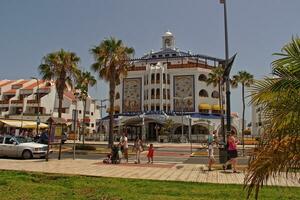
(168,33)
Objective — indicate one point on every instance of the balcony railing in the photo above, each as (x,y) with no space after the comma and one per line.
(17,101)
(32,101)
(4,101)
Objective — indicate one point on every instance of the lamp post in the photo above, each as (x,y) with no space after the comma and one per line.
(38,104)
(75,118)
(182,139)
(101,106)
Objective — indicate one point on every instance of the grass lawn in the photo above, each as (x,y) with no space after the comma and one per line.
(23,185)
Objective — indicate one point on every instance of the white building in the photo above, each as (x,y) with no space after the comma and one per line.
(169,84)
(22,99)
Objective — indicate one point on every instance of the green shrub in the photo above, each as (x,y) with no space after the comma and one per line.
(85,147)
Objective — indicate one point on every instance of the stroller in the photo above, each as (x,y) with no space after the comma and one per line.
(115,159)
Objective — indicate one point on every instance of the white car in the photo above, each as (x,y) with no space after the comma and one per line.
(10,146)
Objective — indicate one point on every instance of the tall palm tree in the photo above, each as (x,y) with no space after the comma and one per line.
(112,59)
(84,80)
(246,80)
(62,67)
(215,78)
(279,149)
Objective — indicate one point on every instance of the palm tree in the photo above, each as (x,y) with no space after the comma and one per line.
(112,59)
(216,79)
(246,80)
(84,80)
(279,150)
(62,67)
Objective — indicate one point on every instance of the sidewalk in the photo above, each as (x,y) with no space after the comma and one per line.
(159,171)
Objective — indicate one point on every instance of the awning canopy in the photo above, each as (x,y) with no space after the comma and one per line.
(204,106)
(22,124)
(216,107)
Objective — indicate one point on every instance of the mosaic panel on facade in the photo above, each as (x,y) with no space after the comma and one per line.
(184,93)
(132,95)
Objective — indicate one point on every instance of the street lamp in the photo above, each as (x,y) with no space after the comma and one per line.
(38,109)
(182,139)
(74,127)
(101,106)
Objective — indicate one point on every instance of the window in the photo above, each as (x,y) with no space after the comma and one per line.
(92,113)
(168,79)
(202,77)
(152,93)
(157,78)
(167,55)
(118,95)
(157,108)
(159,56)
(152,78)
(92,125)
(215,94)
(164,78)
(1,139)
(152,107)
(174,54)
(203,93)
(153,56)
(9,140)
(157,93)
(79,111)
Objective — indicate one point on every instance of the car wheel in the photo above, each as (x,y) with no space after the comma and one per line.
(26,154)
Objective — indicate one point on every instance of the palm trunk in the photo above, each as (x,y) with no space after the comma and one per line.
(60,100)
(243,123)
(83,125)
(112,87)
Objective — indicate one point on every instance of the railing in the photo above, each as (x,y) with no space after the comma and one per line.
(17,101)
(4,101)
(32,101)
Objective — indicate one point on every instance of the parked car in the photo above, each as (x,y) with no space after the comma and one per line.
(11,146)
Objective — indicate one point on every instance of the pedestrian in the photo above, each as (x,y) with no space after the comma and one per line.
(232,152)
(150,154)
(124,144)
(138,148)
(211,158)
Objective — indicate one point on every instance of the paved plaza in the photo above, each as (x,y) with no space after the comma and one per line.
(158,171)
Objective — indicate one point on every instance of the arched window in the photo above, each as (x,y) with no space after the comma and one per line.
(152,78)
(152,93)
(203,93)
(215,94)
(164,78)
(157,93)
(202,77)
(118,95)
(157,78)
(168,79)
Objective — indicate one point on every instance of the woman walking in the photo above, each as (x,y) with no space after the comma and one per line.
(232,152)
(138,147)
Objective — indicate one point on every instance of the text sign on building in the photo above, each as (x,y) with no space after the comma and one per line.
(132,95)
(184,93)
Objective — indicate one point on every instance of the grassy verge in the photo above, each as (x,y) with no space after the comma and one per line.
(22,185)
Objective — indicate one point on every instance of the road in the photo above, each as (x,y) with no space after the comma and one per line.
(164,154)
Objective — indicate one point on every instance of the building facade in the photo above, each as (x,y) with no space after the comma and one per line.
(23,99)
(169,85)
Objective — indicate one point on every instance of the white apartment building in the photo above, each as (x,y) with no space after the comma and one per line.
(169,84)
(22,99)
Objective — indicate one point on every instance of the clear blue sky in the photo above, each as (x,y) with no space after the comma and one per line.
(257,28)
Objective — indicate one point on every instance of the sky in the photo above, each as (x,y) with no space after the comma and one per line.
(256,29)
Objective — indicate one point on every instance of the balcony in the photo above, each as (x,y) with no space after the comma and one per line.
(33,101)
(17,101)
(4,101)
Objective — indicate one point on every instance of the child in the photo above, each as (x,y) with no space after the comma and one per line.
(210,144)
(150,153)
